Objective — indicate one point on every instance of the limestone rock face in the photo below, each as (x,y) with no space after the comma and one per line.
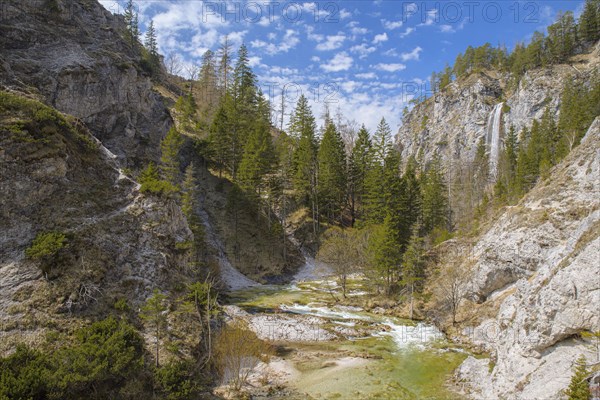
(542,258)
(451,123)
(74,55)
(120,244)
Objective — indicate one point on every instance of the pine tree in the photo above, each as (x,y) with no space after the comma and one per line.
(224,67)
(258,155)
(189,201)
(131,21)
(589,22)
(409,203)
(359,165)
(413,265)
(169,161)
(376,193)
(384,254)
(209,86)
(151,44)
(302,129)
(435,206)
(579,388)
(382,141)
(153,312)
(332,173)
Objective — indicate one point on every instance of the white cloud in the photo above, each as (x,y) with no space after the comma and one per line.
(363,50)
(391,52)
(391,25)
(393,67)
(446,29)
(432,16)
(413,55)
(332,42)
(289,41)
(266,21)
(366,75)
(311,35)
(315,58)
(340,62)
(350,86)
(254,61)
(345,13)
(383,37)
(407,32)
(272,36)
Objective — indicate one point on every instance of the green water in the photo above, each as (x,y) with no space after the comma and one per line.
(380,367)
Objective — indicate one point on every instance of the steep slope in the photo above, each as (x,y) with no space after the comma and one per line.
(451,123)
(75,55)
(120,244)
(537,265)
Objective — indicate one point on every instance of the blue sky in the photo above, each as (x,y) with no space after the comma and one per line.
(366,58)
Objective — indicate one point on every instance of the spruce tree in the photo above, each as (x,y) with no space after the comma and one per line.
(579,388)
(435,206)
(413,265)
(169,161)
(359,165)
(153,312)
(224,68)
(208,81)
(151,45)
(384,254)
(302,128)
(589,22)
(332,173)
(409,203)
(258,156)
(131,21)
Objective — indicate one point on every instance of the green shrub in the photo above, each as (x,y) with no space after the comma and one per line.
(24,374)
(151,183)
(175,380)
(101,358)
(46,245)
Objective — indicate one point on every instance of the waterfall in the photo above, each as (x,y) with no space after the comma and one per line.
(493,137)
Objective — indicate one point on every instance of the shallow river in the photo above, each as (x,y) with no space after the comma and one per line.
(330,351)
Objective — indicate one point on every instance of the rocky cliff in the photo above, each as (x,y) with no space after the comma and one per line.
(119,244)
(74,54)
(536,268)
(451,123)
(78,106)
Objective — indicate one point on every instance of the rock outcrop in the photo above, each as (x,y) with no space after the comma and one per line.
(75,55)
(120,244)
(451,123)
(539,264)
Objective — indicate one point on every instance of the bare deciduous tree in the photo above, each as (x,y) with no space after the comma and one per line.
(238,352)
(173,63)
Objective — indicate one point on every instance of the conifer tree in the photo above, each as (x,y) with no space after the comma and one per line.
(150,43)
(435,208)
(409,203)
(579,388)
(376,193)
(224,67)
(302,128)
(589,21)
(209,85)
(169,161)
(332,172)
(153,312)
(413,265)
(258,156)
(384,254)
(131,21)
(359,165)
